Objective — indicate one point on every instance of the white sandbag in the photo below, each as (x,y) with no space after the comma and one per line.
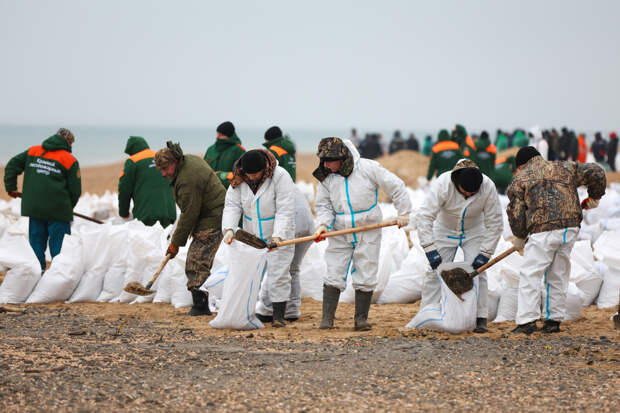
(313,270)
(96,262)
(181,296)
(608,295)
(163,284)
(507,306)
(118,253)
(240,292)
(493,303)
(143,260)
(24,269)
(574,303)
(405,285)
(584,273)
(451,314)
(214,286)
(63,275)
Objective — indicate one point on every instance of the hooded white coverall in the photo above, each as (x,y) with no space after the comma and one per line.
(353,202)
(447,221)
(548,259)
(304,225)
(267,214)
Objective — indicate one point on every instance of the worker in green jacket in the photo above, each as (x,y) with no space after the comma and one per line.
(445,154)
(520,139)
(503,173)
(222,155)
(200,195)
(283,149)
(459,135)
(142,182)
(484,154)
(51,188)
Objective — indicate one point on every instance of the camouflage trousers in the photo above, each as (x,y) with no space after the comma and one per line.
(200,257)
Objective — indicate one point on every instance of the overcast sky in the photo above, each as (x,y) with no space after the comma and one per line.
(319,64)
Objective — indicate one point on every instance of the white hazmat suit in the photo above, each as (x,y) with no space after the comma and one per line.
(447,220)
(353,202)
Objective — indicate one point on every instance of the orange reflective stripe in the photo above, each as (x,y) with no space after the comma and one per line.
(239,145)
(61,156)
(466,152)
(122,174)
(491,148)
(36,150)
(470,142)
(445,146)
(278,150)
(229,176)
(500,160)
(147,153)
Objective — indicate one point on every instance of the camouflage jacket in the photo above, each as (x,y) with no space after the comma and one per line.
(543,195)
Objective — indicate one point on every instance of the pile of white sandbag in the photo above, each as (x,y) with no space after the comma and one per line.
(97,261)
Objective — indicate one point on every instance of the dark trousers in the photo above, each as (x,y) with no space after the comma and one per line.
(40,231)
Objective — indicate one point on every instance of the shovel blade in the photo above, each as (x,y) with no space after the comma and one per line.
(458,280)
(136,288)
(249,239)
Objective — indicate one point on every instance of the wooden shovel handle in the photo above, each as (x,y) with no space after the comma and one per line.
(159,270)
(496,260)
(332,234)
(77,214)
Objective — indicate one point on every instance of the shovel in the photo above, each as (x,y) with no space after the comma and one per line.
(77,214)
(460,281)
(136,288)
(254,241)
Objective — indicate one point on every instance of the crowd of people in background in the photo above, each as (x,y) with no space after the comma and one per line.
(449,147)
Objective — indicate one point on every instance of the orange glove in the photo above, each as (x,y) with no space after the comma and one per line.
(589,203)
(14,194)
(172,250)
(320,229)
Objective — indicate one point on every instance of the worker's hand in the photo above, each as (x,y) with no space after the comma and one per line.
(589,203)
(274,241)
(319,230)
(434,259)
(402,220)
(479,261)
(14,194)
(519,243)
(172,250)
(228,236)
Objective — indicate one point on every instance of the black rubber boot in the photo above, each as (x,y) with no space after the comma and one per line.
(551,326)
(362,305)
(331,295)
(201,303)
(481,325)
(527,328)
(278,314)
(264,318)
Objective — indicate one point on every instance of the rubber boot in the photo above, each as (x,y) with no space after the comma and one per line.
(527,328)
(331,295)
(551,326)
(201,303)
(481,325)
(278,314)
(264,318)
(362,305)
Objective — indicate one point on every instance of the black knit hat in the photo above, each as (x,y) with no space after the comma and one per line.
(469,179)
(273,133)
(525,154)
(253,161)
(226,129)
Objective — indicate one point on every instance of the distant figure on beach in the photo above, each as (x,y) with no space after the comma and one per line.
(427,149)
(222,155)
(52,187)
(599,148)
(283,149)
(370,147)
(445,154)
(397,143)
(412,143)
(354,138)
(142,182)
(484,154)
(612,150)
(502,174)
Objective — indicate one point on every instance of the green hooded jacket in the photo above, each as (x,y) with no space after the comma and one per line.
(484,156)
(502,173)
(142,182)
(222,155)
(501,143)
(52,184)
(445,154)
(520,139)
(284,151)
(200,195)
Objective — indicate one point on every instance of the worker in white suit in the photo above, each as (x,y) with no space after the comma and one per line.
(347,197)
(461,210)
(263,195)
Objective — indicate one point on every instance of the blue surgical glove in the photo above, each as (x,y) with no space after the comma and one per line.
(479,261)
(433,258)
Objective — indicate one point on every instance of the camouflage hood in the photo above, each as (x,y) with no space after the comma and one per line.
(336,148)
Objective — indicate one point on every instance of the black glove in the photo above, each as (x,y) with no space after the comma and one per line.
(479,261)
(434,258)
